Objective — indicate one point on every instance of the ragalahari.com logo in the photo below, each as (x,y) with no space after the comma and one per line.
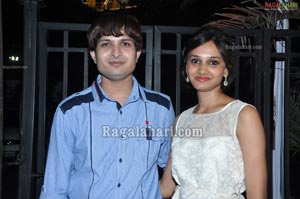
(283,5)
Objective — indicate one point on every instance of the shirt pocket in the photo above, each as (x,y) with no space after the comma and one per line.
(146,152)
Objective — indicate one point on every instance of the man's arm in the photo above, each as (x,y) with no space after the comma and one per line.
(59,159)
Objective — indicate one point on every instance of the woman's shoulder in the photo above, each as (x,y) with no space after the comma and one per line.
(188,111)
(239,104)
(248,113)
(185,113)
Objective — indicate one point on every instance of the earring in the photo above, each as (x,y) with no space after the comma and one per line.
(187,79)
(225,83)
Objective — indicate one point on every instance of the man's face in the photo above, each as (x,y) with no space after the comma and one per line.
(115,57)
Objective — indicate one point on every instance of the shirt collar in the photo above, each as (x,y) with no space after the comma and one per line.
(137,91)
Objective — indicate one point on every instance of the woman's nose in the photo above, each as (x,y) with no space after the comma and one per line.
(203,69)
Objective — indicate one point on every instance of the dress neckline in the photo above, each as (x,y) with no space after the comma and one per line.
(212,113)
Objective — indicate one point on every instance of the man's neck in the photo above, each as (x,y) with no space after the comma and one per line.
(117,90)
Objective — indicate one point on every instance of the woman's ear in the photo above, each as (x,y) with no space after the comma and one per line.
(226,72)
(93,56)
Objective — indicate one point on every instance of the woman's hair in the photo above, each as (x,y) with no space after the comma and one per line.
(223,41)
(114,24)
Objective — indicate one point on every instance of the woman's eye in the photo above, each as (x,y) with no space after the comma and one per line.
(195,61)
(214,62)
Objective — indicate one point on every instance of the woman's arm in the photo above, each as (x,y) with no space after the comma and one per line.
(167,184)
(251,136)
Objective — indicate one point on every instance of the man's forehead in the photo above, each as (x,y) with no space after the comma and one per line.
(112,37)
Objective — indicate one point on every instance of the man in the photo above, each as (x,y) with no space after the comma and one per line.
(104,142)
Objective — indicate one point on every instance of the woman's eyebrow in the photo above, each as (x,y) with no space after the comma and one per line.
(205,55)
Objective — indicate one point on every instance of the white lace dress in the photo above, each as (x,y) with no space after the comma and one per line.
(207,160)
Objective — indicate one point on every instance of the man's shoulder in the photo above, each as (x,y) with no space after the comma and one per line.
(157,97)
(76,99)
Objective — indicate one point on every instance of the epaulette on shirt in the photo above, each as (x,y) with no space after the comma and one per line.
(76,100)
(80,99)
(157,98)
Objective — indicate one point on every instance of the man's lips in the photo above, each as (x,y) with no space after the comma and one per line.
(116,63)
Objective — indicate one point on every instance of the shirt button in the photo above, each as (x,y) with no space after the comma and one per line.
(122,137)
(118,185)
(120,160)
(121,112)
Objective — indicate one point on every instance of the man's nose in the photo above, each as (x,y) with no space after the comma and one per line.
(116,52)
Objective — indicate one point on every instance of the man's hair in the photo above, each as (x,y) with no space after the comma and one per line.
(116,25)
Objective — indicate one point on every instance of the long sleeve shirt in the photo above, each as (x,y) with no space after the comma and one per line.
(101,150)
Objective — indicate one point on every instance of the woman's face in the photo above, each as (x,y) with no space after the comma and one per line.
(205,67)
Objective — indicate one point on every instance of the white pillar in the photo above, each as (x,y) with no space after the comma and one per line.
(278,108)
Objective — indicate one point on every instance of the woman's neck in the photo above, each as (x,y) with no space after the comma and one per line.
(211,102)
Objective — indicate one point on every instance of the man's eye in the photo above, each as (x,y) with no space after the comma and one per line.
(105,44)
(126,44)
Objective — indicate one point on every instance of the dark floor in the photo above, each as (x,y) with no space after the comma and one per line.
(295,177)
(10,182)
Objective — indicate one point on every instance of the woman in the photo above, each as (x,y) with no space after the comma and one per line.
(226,156)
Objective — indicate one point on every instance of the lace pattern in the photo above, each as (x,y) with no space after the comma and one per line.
(209,166)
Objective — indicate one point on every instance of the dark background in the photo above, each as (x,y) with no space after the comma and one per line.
(154,12)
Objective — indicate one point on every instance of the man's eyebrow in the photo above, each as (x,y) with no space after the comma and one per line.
(125,39)
(103,40)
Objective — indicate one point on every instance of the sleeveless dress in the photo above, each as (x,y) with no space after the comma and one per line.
(207,161)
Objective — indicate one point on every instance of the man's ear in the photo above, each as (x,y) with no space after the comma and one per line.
(138,53)
(93,56)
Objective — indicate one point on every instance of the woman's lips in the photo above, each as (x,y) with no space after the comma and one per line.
(202,79)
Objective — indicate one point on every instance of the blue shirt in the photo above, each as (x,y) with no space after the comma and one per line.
(101,150)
